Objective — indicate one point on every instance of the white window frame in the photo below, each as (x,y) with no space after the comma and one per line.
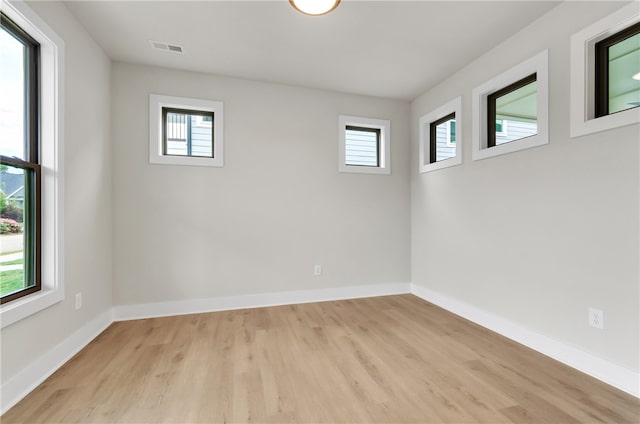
(539,64)
(156,156)
(453,106)
(51,158)
(583,120)
(384,126)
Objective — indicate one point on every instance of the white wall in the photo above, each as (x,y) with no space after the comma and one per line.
(87,207)
(278,206)
(536,236)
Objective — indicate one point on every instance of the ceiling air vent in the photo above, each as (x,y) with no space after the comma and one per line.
(159,45)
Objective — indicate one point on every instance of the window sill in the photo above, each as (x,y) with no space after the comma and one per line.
(186,161)
(18,309)
(364,170)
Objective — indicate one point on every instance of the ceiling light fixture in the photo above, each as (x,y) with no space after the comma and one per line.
(636,76)
(314,7)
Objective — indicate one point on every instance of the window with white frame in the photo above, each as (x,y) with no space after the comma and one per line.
(365,145)
(605,75)
(185,131)
(440,137)
(511,111)
(31,128)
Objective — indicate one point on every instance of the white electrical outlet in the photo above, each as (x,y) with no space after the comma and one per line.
(78,301)
(317,270)
(596,318)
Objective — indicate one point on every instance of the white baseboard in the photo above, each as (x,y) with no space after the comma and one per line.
(29,378)
(612,374)
(194,306)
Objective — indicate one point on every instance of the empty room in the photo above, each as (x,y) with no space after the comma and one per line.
(320,211)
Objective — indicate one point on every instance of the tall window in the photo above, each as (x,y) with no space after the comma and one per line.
(20,183)
(617,72)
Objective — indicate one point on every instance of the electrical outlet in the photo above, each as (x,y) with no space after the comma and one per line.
(78,301)
(596,318)
(317,270)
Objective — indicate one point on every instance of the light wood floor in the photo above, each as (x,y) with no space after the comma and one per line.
(393,359)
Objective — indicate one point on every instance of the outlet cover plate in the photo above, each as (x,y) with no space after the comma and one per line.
(596,318)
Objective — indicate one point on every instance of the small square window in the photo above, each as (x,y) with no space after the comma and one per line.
(511,111)
(364,145)
(617,72)
(515,107)
(440,137)
(185,131)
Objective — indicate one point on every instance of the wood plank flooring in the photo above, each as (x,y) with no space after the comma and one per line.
(394,359)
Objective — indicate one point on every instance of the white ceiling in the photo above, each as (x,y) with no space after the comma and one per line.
(392,49)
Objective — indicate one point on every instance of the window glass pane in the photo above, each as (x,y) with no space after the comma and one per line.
(361,146)
(15,236)
(624,64)
(452,132)
(12,92)
(445,140)
(517,114)
(189,134)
